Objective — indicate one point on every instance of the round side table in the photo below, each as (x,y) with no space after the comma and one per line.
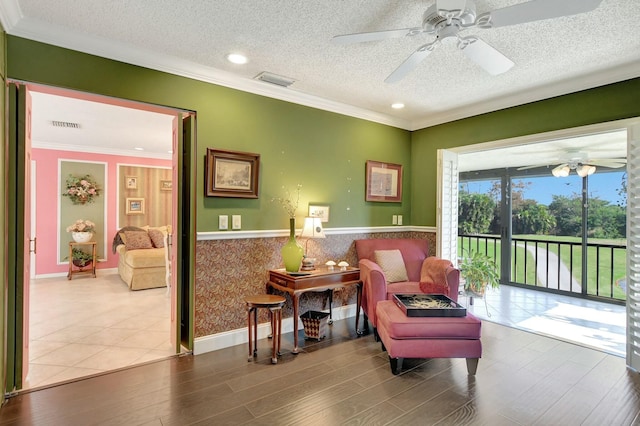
(274,304)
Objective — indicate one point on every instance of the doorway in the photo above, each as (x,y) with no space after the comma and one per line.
(180,292)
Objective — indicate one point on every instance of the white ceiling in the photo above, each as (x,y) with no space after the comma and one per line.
(292,38)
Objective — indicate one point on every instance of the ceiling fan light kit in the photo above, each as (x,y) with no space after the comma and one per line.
(448,18)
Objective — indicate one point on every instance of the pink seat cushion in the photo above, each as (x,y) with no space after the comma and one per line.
(399,326)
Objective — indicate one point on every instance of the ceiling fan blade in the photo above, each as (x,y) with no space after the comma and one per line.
(375,35)
(535,10)
(410,63)
(613,163)
(485,55)
(535,166)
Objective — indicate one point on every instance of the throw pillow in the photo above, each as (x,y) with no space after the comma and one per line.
(157,237)
(136,240)
(392,264)
(433,278)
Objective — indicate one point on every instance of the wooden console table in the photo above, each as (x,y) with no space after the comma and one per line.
(81,270)
(321,279)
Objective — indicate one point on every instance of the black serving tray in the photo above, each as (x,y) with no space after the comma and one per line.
(428,305)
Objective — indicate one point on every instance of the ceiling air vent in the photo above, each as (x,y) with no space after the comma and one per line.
(65,124)
(278,80)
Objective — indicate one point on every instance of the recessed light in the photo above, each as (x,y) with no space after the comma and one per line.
(137,148)
(237,58)
(397,105)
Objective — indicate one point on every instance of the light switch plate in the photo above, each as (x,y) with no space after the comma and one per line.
(223,222)
(399,219)
(394,219)
(236,221)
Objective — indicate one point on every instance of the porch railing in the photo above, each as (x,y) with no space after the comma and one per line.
(557,265)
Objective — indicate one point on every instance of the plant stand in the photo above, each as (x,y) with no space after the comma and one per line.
(82,270)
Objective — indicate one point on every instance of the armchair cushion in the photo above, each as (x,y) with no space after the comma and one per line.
(392,264)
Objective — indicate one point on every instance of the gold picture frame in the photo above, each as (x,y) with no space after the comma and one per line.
(166,185)
(131,182)
(134,206)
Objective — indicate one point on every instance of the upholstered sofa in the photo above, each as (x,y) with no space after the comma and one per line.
(422,273)
(142,252)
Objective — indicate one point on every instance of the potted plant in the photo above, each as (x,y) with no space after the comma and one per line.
(81,230)
(479,272)
(81,258)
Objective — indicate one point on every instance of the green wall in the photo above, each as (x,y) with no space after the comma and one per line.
(324,152)
(607,103)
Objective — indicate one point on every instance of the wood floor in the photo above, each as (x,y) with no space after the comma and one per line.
(522,379)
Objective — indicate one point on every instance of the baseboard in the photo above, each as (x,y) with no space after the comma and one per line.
(240,336)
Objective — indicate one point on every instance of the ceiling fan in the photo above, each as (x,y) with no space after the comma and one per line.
(448,18)
(581,163)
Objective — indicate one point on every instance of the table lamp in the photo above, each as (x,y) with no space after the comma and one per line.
(312,229)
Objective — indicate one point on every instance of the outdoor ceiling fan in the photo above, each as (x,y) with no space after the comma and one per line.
(581,163)
(446,19)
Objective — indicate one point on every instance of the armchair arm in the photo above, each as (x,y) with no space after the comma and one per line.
(453,281)
(374,287)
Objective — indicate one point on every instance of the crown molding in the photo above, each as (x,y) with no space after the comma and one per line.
(100,150)
(613,75)
(16,24)
(58,36)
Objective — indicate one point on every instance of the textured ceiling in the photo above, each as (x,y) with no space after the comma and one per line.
(293,38)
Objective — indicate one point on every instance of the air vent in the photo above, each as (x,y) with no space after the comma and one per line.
(66,124)
(278,80)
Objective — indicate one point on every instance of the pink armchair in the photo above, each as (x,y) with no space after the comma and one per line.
(438,275)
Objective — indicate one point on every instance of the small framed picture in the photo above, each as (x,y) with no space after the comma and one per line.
(131,182)
(231,174)
(166,185)
(383,182)
(134,206)
(319,211)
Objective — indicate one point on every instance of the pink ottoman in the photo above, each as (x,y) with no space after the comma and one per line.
(427,337)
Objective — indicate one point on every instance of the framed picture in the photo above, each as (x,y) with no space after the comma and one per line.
(131,182)
(383,182)
(134,206)
(231,174)
(319,211)
(166,185)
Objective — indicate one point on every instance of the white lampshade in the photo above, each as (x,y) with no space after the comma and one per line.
(312,228)
(561,171)
(585,170)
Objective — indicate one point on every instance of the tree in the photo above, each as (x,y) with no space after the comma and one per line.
(532,218)
(568,214)
(475,212)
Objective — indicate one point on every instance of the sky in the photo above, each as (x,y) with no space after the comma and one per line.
(601,185)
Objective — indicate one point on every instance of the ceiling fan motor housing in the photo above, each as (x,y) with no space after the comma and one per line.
(432,21)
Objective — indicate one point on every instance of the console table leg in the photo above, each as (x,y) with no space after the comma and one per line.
(294,302)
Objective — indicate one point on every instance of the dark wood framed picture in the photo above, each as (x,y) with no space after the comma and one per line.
(231,174)
(383,182)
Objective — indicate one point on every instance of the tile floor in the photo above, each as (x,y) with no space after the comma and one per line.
(596,325)
(88,325)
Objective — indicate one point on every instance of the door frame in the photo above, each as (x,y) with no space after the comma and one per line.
(184,227)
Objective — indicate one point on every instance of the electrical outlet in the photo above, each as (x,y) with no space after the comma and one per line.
(223,222)
(399,219)
(236,221)
(394,219)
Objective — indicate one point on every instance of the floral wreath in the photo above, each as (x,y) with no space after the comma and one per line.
(81,189)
